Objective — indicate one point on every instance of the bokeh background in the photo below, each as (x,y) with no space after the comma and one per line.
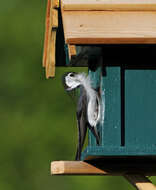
(37,118)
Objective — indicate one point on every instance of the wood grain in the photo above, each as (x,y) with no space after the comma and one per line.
(119,5)
(46,37)
(55,4)
(50,38)
(71,51)
(75,168)
(50,67)
(54,17)
(108,27)
(139,181)
(105,167)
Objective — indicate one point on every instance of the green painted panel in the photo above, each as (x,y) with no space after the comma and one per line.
(115,151)
(140,108)
(111,103)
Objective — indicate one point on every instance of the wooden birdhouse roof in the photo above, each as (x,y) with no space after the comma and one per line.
(98,22)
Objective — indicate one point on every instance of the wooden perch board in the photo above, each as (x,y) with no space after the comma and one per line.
(109,27)
(75,168)
(139,181)
(120,5)
(104,167)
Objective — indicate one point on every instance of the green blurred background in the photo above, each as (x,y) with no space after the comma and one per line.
(38,123)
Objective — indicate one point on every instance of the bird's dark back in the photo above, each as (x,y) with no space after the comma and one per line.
(82,102)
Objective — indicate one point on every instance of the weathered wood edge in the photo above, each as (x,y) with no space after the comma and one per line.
(71,51)
(86,27)
(55,4)
(101,168)
(105,5)
(46,36)
(101,41)
(139,181)
(75,168)
(50,37)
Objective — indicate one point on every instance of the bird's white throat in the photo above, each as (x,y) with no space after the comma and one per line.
(86,83)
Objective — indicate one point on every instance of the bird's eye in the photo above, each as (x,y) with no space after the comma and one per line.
(71,75)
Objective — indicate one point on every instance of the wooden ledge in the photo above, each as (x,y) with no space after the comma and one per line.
(104,5)
(75,168)
(139,181)
(107,166)
(109,27)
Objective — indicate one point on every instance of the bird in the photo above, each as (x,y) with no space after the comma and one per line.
(88,109)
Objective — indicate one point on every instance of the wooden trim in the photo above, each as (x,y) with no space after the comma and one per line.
(117,5)
(46,37)
(54,22)
(87,41)
(50,67)
(72,51)
(50,38)
(104,167)
(75,168)
(139,181)
(55,4)
(109,27)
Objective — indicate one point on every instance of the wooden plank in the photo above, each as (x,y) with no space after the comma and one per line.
(46,37)
(83,168)
(72,51)
(55,4)
(104,167)
(51,23)
(75,168)
(50,39)
(54,17)
(119,5)
(50,67)
(109,27)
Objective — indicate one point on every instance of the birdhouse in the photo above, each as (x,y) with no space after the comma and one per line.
(116,40)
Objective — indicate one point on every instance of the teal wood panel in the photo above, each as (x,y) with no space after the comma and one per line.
(111,103)
(115,151)
(140,108)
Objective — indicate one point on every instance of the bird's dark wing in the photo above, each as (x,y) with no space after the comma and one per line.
(81,123)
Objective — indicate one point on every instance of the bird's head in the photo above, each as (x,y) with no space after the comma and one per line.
(71,81)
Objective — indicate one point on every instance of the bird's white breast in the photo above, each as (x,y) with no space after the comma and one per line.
(93,111)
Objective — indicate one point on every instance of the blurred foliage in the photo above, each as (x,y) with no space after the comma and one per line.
(38,122)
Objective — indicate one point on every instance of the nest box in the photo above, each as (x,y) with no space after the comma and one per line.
(116,41)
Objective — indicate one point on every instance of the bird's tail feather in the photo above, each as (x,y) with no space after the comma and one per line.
(95,133)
